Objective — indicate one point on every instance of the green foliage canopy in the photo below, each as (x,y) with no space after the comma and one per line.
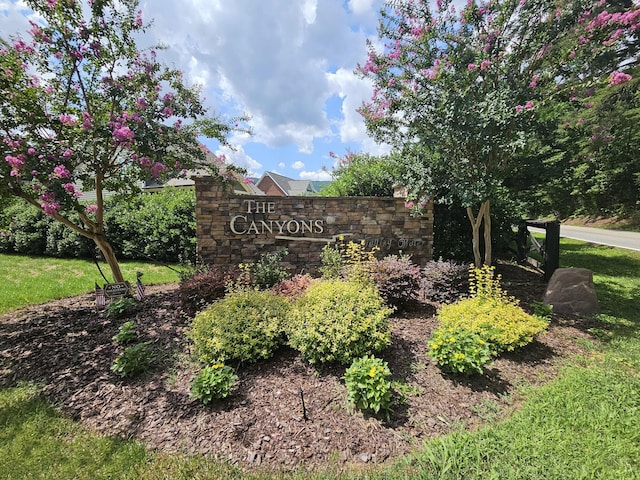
(81,107)
(459,92)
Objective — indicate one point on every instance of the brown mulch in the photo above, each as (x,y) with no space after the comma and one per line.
(66,347)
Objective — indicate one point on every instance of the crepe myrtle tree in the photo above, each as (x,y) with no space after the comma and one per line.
(81,106)
(459,92)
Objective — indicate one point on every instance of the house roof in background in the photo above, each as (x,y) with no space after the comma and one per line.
(293,187)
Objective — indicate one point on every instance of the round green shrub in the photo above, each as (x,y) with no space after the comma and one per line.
(213,382)
(244,326)
(368,382)
(504,325)
(338,320)
(457,350)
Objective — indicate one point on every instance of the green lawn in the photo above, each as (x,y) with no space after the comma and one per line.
(30,280)
(582,425)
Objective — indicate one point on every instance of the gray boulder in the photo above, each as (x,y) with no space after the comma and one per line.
(571,290)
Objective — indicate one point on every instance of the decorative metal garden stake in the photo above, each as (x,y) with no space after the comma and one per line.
(304,409)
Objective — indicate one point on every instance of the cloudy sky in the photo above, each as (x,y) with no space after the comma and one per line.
(288,64)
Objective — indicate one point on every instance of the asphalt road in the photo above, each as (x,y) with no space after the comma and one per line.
(613,238)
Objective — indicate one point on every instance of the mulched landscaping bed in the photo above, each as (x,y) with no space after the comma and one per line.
(66,347)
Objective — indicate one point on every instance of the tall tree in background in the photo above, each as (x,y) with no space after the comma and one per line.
(460,93)
(82,107)
(362,175)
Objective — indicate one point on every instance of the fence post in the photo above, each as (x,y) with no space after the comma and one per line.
(551,248)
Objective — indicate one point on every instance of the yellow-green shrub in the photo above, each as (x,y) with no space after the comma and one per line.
(338,320)
(503,324)
(244,325)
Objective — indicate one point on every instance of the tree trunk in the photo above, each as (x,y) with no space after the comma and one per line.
(110,257)
(475,228)
(487,233)
(476,222)
(93,230)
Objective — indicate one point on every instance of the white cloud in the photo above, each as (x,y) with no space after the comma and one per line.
(238,157)
(317,175)
(361,7)
(276,60)
(267,59)
(297,165)
(309,8)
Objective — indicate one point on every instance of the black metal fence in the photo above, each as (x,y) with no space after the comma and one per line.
(549,247)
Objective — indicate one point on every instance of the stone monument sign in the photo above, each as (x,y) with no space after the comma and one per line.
(234,228)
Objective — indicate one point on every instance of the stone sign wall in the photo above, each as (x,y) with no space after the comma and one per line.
(234,229)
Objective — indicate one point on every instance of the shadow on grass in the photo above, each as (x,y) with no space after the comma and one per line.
(603,260)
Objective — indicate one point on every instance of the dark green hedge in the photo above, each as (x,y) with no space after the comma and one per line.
(159,226)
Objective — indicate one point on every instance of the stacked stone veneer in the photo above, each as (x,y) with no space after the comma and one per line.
(234,229)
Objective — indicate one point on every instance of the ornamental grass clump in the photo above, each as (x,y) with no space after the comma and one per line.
(368,382)
(457,350)
(493,315)
(349,261)
(243,326)
(338,320)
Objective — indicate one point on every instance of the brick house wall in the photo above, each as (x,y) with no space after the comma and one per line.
(269,187)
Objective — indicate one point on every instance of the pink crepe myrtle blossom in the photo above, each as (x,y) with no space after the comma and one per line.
(16,163)
(534,81)
(87,121)
(618,78)
(48,203)
(157,169)
(519,108)
(50,208)
(471,67)
(70,188)
(67,120)
(485,64)
(123,134)
(409,204)
(528,105)
(61,172)
(91,209)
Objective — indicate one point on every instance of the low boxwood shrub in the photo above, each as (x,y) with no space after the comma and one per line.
(338,320)
(243,326)
(204,286)
(397,279)
(213,382)
(444,281)
(368,382)
(458,350)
